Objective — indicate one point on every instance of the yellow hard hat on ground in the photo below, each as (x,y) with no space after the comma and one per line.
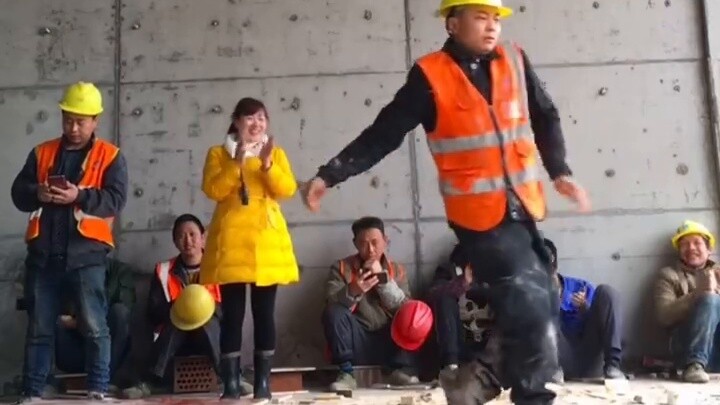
(693,228)
(193,308)
(83,99)
(446,5)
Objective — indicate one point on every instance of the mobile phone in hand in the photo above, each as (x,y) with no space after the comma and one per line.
(382,278)
(58,181)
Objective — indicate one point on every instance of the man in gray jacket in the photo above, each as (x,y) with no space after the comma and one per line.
(364,291)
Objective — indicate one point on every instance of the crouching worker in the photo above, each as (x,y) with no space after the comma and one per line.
(590,338)
(184,314)
(687,303)
(69,340)
(364,291)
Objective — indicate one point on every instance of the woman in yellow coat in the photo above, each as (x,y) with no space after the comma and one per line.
(248,243)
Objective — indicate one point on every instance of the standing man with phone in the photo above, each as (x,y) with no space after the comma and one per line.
(73,187)
(364,291)
(486,115)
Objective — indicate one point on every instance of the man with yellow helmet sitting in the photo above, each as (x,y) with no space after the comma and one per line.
(687,302)
(184,313)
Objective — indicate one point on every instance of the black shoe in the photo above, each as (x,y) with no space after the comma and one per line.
(230,375)
(261,386)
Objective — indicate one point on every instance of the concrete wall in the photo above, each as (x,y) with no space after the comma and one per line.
(629,77)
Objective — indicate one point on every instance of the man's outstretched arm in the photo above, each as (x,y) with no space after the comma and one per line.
(406,111)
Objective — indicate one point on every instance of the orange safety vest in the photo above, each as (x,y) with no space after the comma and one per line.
(481,148)
(172,285)
(98,159)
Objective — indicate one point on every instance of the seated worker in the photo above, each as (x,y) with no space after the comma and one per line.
(463,318)
(364,291)
(172,338)
(590,338)
(687,302)
(70,342)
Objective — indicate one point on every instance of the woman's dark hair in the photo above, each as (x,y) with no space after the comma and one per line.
(246,106)
(366,223)
(187,218)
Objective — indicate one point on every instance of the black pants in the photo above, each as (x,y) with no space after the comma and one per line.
(351,343)
(448,329)
(511,260)
(600,342)
(262,305)
(174,342)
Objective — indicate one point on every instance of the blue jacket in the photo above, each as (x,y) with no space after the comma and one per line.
(572,321)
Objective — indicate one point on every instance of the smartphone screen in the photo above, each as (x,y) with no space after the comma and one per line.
(57,181)
(382,278)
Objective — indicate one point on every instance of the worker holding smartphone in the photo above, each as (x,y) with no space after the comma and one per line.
(73,186)
(364,293)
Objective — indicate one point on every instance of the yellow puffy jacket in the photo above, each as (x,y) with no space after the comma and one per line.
(248,243)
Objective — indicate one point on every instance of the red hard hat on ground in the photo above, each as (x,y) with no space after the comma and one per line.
(412,325)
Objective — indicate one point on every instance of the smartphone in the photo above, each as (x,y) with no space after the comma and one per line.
(57,181)
(382,278)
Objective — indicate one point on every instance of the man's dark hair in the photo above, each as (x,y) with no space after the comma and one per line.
(187,218)
(552,250)
(366,223)
(453,12)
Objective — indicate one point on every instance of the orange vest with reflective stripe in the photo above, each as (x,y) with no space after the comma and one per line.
(481,148)
(98,159)
(172,285)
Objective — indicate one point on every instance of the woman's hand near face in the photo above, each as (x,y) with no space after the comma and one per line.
(265,154)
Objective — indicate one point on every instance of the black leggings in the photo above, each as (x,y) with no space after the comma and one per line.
(262,304)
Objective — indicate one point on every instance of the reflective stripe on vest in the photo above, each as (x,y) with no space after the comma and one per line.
(483,147)
(171,284)
(98,159)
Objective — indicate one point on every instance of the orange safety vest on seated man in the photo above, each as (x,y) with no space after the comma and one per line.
(172,285)
(482,147)
(98,159)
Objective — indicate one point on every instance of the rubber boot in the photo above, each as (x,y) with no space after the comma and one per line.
(261,386)
(230,374)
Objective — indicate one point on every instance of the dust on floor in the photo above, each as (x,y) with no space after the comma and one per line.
(572,393)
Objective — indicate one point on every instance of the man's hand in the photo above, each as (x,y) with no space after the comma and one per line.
(363,284)
(572,191)
(706,280)
(265,154)
(312,192)
(43,193)
(64,196)
(468,274)
(579,300)
(67,322)
(373,266)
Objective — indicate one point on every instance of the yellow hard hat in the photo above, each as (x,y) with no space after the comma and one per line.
(193,308)
(446,5)
(83,99)
(693,228)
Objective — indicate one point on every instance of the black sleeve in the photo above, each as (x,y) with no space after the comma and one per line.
(24,188)
(545,121)
(411,106)
(158,309)
(109,200)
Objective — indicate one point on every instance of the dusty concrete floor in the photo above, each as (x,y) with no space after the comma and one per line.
(634,392)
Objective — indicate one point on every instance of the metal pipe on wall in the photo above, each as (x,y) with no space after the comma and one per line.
(711,87)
